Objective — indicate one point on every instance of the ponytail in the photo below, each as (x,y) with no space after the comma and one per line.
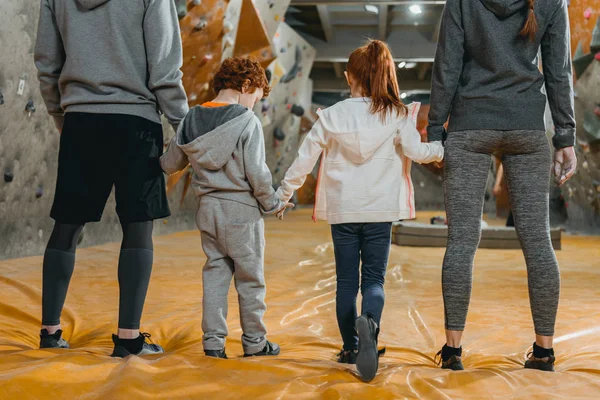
(373,67)
(531,26)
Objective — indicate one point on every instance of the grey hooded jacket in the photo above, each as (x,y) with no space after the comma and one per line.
(111,57)
(486,75)
(226,148)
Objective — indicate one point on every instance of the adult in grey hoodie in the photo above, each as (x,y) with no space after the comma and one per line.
(486,78)
(107,70)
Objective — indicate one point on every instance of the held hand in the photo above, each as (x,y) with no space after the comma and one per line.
(497,190)
(281,212)
(565,164)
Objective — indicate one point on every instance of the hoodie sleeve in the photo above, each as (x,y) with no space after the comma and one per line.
(258,173)
(558,74)
(447,68)
(308,154)
(49,59)
(165,58)
(413,148)
(174,159)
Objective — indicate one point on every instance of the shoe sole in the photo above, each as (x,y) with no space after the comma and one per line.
(367,360)
(540,367)
(121,352)
(273,353)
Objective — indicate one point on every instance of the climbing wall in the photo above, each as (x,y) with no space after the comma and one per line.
(286,115)
(211,30)
(582,192)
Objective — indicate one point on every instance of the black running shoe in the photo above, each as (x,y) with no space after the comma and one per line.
(54,341)
(367,359)
(216,353)
(347,356)
(543,364)
(270,349)
(123,349)
(453,363)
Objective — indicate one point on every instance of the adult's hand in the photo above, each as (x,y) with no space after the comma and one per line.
(565,164)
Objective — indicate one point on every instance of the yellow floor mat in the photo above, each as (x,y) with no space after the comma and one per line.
(300,278)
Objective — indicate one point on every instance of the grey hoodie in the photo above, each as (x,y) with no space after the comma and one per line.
(103,56)
(486,75)
(226,148)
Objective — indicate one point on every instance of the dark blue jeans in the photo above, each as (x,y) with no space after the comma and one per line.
(353,243)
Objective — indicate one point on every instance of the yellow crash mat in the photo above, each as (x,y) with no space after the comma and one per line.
(300,274)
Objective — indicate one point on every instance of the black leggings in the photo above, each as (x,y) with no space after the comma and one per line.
(135,267)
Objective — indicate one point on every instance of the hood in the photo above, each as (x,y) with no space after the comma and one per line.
(91,4)
(214,149)
(504,8)
(359,133)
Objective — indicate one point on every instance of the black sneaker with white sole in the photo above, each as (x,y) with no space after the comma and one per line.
(135,347)
(367,359)
(54,341)
(270,349)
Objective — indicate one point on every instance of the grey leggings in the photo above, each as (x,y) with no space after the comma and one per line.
(527,160)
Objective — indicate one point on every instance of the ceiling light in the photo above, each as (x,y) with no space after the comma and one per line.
(410,65)
(403,95)
(402,64)
(415,9)
(371,9)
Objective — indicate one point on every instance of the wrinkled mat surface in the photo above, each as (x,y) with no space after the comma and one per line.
(301,318)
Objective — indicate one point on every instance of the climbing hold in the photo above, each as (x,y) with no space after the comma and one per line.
(279,134)
(39,192)
(587,14)
(8,177)
(193,97)
(277,17)
(201,25)
(21,87)
(166,221)
(1,98)
(40,233)
(205,87)
(265,106)
(276,170)
(271,3)
(269,75)
(30,107)
(297,110)
(227,26)
(197,2)
(283,50)
(597,56)
(293,72)
(181,10)
(228,42)
(422,184)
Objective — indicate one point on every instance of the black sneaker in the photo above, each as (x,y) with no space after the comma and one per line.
(54,341)
(135,347)
(543,364)
(216,353)
(270,349)
(367,359)
(347,356)
(453,363)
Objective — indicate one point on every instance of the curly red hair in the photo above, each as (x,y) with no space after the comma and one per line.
(234,73)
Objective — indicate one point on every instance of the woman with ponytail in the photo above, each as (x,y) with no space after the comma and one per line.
(486,79)
(366,144)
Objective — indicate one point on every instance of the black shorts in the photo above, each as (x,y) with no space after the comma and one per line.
(99,151)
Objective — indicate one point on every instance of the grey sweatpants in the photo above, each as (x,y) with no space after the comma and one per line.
(527,160)
(233,240)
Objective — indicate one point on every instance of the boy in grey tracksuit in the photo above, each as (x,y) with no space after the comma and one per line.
(223,141)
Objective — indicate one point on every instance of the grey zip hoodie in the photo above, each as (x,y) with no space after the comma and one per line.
(226,148)
(113,57)
(486,75)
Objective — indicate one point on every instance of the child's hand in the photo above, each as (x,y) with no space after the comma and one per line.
(282,211)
